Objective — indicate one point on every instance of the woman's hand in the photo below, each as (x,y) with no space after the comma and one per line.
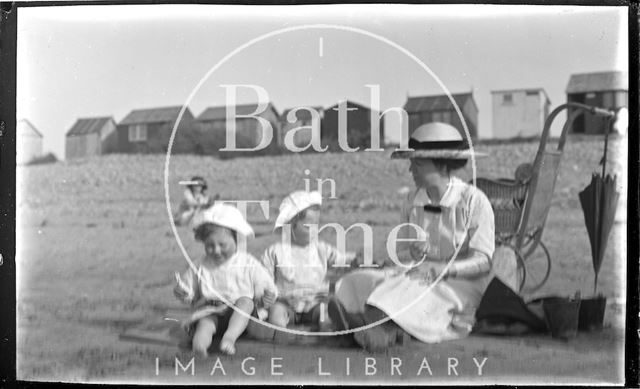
(427,271)
(418,250)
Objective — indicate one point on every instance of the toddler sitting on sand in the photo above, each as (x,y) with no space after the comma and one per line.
(223,276)
(299,264)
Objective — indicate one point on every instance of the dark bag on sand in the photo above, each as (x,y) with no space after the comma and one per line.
(503,312)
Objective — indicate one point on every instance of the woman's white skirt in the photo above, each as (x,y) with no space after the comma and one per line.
(430,313)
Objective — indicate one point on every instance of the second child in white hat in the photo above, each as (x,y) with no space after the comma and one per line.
(299,262)
(195,198)
(223,275)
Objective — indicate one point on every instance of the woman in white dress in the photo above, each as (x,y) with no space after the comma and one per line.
(456,227)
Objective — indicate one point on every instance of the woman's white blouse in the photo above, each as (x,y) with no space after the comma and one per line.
(466,219)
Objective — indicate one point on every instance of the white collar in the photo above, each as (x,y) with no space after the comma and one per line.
(449,199)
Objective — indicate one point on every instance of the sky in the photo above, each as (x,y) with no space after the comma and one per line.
(96,60)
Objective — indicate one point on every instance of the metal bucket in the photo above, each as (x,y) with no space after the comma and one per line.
(591,316)
(561,315)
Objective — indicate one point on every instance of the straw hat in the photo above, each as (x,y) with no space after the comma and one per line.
(437,140)
(199,181)
(195,181)
(223,215)
(295,203)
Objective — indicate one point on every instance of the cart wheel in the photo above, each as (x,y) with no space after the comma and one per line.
(538,268)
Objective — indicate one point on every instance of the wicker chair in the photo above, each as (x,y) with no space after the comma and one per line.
(521,205)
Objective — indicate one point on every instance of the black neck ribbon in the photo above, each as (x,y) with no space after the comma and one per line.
(448,145)
(433,208)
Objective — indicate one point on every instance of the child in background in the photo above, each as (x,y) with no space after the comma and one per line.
(194,199)
(223,275)
(299,264)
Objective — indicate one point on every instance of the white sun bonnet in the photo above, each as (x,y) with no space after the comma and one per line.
(223,215)
(295,203)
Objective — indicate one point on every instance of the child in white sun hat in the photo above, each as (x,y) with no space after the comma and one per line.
(224,275)
(299,263)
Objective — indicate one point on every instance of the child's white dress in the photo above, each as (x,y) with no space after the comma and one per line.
(207,287)
(300,272)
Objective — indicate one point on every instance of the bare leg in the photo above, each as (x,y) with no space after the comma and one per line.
(279,315)
(237,324)
(203,336)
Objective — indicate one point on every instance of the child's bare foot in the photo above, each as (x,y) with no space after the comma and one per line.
(227,346)
(201,352)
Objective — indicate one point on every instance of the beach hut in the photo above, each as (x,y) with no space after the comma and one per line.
(439,108)
(213,122)
(148,131)
(28,142)
(600,89)
(358,126)
(303,118)
(519,113)
(91,136)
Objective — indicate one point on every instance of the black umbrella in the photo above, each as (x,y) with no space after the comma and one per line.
(599,200)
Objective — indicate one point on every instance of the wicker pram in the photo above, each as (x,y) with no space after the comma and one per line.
(521,205)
